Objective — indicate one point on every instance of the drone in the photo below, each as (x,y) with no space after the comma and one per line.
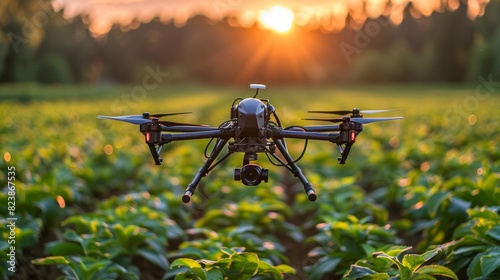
(253,128)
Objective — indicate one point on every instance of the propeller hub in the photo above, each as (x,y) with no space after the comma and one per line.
(356,113)
(146,115)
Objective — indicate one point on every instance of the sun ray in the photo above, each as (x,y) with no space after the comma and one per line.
(256,60)
(282,58)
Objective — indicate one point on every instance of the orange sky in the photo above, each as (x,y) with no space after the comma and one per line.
(329,15)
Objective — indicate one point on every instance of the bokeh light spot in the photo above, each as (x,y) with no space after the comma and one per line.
(394,141)
(472,119)
(108,149)
(418,205)
(404,182)
(61,201)
(7,157)
(425,166)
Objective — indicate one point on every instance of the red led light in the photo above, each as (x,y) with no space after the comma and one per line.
(148,136)
(353,136)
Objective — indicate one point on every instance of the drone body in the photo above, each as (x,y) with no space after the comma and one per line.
(251,130)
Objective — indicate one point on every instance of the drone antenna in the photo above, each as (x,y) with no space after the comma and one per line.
(257,87)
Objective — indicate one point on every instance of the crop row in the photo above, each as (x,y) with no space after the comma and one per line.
(416,197)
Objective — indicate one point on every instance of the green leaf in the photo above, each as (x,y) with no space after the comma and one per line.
(119,232)
(180,277)
(430,254)
(357,271)
(79,222)
(494,233)
(113,270)
(199,272)
(437,270)
(368,249)
(71,235)
(155,258)
(27,237)
(227,251)
(378,276)
(324,265)
(50,260)
(434,201)
(413,261)
(394,259)
(283,268)
(490,263)
(270,271)
(483,213)
(61,248)
(474,269)
(215,274)
(244,264)
(185,262)
(98,266)
(469,249)
(396,250)
(423,277)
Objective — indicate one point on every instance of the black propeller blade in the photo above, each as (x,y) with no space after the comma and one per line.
(147,114)
(147,117)
(354,111)
(356,120)
(333,120)
(371,120)
(134,119)
(169,123)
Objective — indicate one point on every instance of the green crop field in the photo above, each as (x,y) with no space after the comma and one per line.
(82,198)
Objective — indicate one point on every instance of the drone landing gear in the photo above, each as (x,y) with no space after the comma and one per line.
(204,169)
(308,188)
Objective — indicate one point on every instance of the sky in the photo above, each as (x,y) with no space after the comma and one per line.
(329,15)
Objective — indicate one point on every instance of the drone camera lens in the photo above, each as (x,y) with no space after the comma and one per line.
(251,174)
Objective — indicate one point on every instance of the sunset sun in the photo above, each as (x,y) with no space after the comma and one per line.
(277,18)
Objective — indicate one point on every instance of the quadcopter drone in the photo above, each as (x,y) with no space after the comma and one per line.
(254,128)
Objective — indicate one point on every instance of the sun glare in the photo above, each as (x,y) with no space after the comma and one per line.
(277,18)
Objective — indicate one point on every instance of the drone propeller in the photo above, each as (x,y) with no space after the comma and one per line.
(354,111)
(147,117)
(356,120)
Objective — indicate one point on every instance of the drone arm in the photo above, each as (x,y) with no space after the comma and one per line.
(188,128)
(221,142)
(311,194)
(300,134)
(321,128)
(218,133)
(344,139)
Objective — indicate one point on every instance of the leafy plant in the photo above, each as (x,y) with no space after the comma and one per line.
(94,190)
(102,236)
(408,266)
(230,264)
(434,213)
(478,246)
(343,242)
(86,268)
(267,218)
(209,242)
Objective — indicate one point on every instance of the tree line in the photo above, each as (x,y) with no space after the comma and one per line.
(37,44)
